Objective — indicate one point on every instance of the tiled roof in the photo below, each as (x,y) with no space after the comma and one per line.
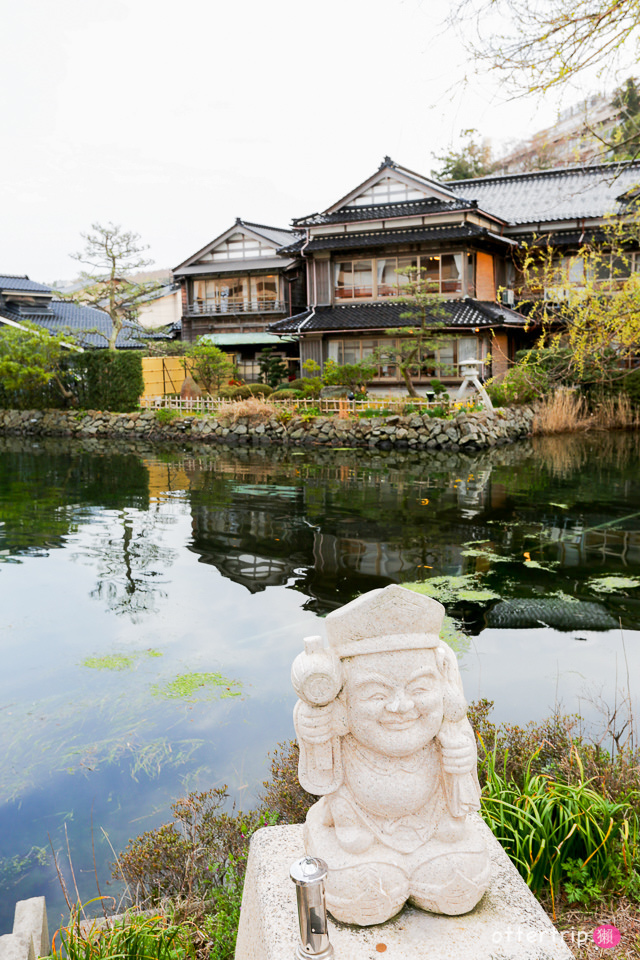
(385,211)
(568,193)
(379,316)
(376,238)
(63,317)
(9,281)
(276,235)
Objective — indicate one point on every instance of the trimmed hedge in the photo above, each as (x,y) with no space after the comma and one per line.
(109,379)
(100,379)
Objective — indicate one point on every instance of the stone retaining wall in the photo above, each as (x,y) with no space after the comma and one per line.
(467,430)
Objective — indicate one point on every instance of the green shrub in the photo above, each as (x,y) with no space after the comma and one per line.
(286,395)
(109,379)
(496,393)
(631,386)
(166,415)
(238,393)
(260,389)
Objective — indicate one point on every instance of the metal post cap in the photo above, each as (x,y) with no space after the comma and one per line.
(308,871)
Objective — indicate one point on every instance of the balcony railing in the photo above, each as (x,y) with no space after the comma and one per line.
(205,308)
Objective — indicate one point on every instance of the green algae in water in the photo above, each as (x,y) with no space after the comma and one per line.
(198,686)
(118,661)
(451,589)
(613,584)
(111,661)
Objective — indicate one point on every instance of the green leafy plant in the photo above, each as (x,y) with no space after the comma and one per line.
(209,366)
(545,824)
(109,380)
(167,415)
(135,938)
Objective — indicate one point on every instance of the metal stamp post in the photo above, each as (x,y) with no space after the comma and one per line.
(309,874)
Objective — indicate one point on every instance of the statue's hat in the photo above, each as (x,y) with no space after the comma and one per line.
(392,618)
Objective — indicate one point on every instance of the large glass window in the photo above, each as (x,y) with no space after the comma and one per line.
(386,276)
(354,278)
(442,362)
(392,275)
(264,291)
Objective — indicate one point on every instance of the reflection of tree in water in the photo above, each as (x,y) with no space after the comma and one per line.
(130,562)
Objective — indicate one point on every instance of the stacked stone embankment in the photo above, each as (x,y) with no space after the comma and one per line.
(466,431)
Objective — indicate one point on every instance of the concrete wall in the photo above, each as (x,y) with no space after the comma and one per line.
(30,937)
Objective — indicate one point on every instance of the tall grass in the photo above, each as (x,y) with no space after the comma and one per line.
(562,412)
(557,832)
(565,411)
(135,938)
(617,413)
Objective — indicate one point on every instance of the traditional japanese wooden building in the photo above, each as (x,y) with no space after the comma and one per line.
(236,285)
(465,238)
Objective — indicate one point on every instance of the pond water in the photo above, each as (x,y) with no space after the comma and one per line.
(125,571)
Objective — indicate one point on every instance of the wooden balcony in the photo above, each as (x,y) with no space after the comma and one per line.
(205,308)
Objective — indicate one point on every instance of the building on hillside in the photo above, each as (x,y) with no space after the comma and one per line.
(21,299)
(580,135)
(235,286)
(465,237)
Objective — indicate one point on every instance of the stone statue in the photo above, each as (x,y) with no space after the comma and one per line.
(385,741)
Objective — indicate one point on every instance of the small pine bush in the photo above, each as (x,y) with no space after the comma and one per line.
(631,386)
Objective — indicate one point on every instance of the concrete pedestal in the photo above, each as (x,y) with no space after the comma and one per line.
(507,924)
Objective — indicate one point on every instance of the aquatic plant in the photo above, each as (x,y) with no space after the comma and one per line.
(613,584)
(453,588)
(198,686)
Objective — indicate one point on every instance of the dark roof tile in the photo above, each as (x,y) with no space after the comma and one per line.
(385,211)
(377,238)
(564,193)
(10,281)
(379,316)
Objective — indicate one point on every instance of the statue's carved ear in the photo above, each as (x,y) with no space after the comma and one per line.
(340,722)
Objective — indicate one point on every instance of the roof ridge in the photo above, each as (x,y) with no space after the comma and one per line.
(553,172)
(265,226)
(15,276)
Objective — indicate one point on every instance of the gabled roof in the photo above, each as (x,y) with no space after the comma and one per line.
(588,191)
(389,170)
(386,211)
(11,281)
(273,236)
(380,238)
(381,316)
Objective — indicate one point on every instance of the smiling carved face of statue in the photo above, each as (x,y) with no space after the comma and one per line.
(394,700)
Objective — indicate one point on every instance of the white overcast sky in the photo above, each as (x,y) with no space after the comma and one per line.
(173,118)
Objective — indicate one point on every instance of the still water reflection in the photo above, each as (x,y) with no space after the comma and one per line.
(127,570)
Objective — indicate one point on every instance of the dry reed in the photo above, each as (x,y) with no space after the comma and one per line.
(563,412)
(256,409)
(617,413)
(566,412)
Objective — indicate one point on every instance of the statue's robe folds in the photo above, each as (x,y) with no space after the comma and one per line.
(396,829)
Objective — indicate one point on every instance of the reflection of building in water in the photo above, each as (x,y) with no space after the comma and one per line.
(165,479)
(474,492)
(258,538)
(577,544)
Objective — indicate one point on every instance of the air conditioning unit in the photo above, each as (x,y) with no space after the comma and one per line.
(508,298)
